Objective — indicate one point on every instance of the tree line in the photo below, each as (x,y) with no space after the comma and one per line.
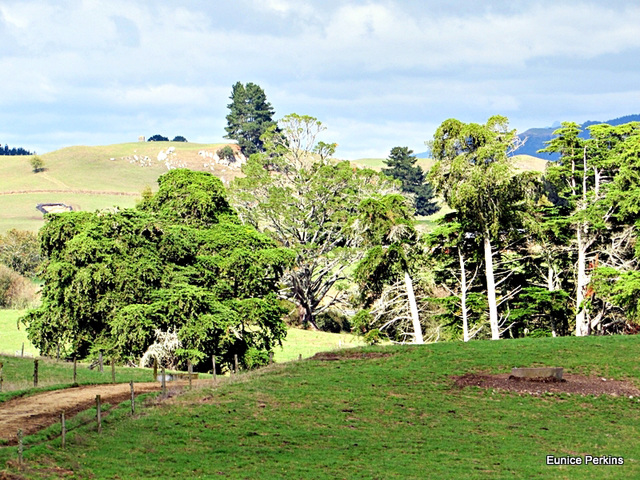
(314,238)
(14,151)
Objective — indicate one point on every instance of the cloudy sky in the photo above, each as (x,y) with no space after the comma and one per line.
(377,73)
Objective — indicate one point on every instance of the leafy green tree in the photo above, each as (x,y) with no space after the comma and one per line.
(227,153)
(306,202)
(179,138)
(476,177)
(181,262)
(249,117)
(596,186)
(402,166)
(37,164)
(386,225)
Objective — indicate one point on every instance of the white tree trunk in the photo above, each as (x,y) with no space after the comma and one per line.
(417,329)
(463,297)
(491,289)
(582,323)
(551,287)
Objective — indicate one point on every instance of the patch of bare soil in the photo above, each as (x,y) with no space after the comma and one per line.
(348,355)
(572,384)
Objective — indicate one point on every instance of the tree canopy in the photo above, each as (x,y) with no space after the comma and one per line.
(181,262)
(250,116)
(307,202)
(401,165)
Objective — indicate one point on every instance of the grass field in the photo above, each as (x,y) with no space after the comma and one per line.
(12,338)
(394,415)
(87,178)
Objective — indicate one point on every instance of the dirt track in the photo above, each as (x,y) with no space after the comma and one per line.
(39,411)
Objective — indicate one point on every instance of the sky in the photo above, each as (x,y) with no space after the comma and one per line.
(378,74)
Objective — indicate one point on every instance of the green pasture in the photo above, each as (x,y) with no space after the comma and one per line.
(12,338)
(379,412)
(83,177)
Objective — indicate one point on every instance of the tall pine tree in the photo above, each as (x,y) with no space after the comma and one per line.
(249,117)
(401,166)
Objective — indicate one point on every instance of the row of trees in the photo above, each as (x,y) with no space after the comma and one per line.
(14,151)
(520,253)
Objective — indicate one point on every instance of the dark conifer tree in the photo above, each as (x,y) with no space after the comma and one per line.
(249,117)
(401,166)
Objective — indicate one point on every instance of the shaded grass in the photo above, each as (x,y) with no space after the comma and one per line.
(397,416)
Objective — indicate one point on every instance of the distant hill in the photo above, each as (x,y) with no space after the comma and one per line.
(535,138)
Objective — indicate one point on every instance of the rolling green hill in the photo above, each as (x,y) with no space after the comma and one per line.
(90,178)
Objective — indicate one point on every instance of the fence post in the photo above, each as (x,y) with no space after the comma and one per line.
(20,447)
(113,371)
(164,384)
(35,373)
(63,430)
(98,413)
(155,369)
(133,399)
(189,371)
(1,377)
(213,361)
(58,353)
(100,364)
(75,369)
(299,357)
(270,358)
(235,363)
(22,354)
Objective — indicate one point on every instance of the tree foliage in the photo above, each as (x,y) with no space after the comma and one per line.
(401,165)
(250,116)
(307,202)
(157,138)
(180,262)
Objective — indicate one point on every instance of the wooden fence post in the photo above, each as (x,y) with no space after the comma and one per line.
(100,363)
(20,447)
(299,357)
(213,361)
(63,430)
(75,370)
(270,358)
(133,399)
(22,354)
(113,371)
(35,373)
(189,371)
(58,353)
(235,363)
(164,384)
(155,369)
(99,413)
(1,376)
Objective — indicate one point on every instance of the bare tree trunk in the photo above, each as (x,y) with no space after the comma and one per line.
(551,287)
(582,323)
(463,297)
(417,329)
(491,288)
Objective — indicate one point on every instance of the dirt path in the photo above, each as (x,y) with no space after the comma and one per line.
(42,410)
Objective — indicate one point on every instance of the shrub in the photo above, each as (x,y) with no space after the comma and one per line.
(16,291)
(254,358)
(37,164)
(158,138)
(179,138)
(227,153)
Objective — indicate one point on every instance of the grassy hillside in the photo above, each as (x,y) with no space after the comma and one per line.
(383,413)
(89,178)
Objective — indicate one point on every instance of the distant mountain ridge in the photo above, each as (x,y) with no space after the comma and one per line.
(535,138)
